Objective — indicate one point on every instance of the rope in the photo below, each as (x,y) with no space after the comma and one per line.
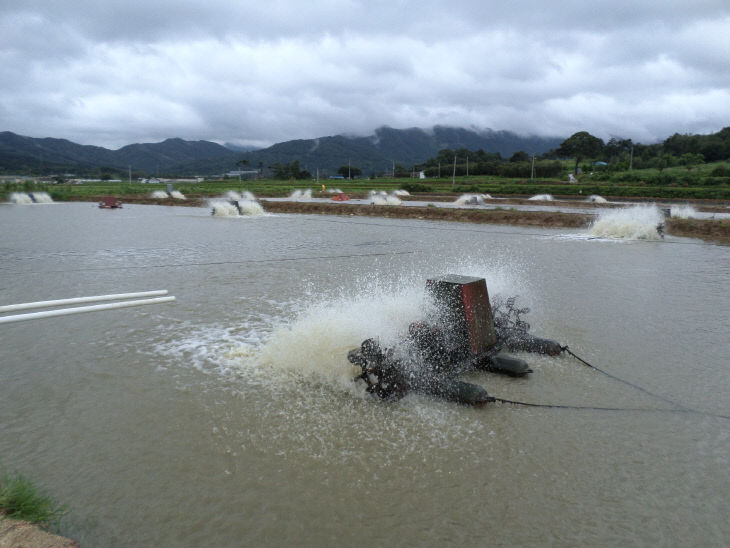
(678,408)
(628,383)
(553,406)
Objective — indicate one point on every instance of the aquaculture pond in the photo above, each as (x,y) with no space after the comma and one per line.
(230,418)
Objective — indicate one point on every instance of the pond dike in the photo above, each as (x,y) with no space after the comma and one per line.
(483,216)
(16,533)
(717,231)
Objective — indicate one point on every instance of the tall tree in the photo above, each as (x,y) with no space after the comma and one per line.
(349,171)
(580,145)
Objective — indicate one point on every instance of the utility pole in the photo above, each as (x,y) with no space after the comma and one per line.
(453,176)
(631,158)
(349,177)
(532,170)
(467,166)
(439,170)
(130,174)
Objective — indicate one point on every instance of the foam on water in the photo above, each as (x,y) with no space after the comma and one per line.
(291,362)
(310,338)
(683,212)
(251,209)
(20,198)
(297,194)
(632,223)
(472,199)
(41,197)
(542,198)
(380,197)
(222,208)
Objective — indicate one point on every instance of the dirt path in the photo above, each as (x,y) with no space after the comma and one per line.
(21,534)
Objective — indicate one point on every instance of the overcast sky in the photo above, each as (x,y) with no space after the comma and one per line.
(110,73)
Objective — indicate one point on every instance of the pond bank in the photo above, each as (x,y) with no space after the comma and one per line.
(717,231)
(16,533)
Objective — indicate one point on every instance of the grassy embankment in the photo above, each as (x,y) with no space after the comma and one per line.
(703,182)
(706,186)
(20,499)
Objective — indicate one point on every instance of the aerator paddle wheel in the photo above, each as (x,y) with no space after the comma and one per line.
(461,336)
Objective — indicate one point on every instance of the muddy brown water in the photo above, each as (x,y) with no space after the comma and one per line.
(229,417)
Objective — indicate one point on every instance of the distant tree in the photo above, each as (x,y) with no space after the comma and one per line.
(400,171)
(349,171)
(289,171)
(519,156)
(616,148)
(580,145)
(689,159)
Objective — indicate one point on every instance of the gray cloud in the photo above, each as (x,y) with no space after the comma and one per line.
(115,72)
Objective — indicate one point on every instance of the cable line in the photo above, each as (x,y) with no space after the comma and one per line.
(678,408)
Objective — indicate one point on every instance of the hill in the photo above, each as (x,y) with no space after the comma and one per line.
(376,153)
(18,152)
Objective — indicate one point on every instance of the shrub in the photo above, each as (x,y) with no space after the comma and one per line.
(465,188)
(20,499)
(662,179)
(417,187)
(721,171)
(626,177)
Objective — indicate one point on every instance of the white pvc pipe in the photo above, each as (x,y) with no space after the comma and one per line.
(81,300)
(82,309)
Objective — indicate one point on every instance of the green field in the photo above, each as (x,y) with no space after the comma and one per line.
(706,181)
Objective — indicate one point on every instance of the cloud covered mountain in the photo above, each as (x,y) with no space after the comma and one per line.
(375,153)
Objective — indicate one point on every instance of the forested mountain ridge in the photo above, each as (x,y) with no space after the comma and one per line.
(376,153)
(385,151)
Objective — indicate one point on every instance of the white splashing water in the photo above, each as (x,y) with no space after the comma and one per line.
(292,362)
(41,197)
(683,212)
(542,198)
(311,338)
(20,198)
(380,197)
(401,193)
(595,198)
(301,194)
(632,223)
(251,209)
(471,199)
(177,195)
(159,195)
(223,208)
